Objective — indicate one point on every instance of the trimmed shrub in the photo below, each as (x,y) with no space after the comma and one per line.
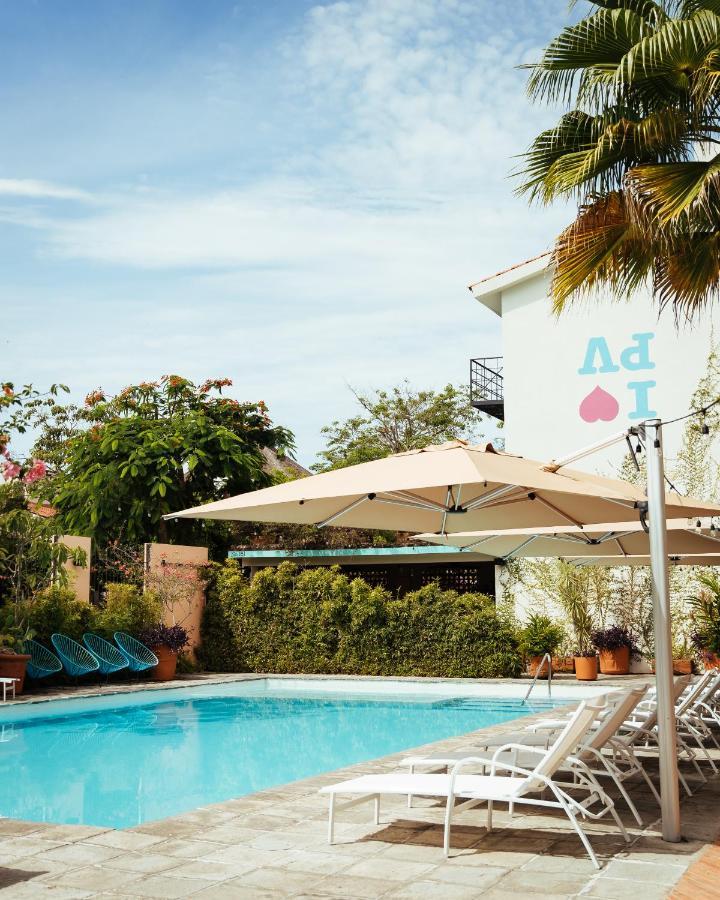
(318,621)
(128,608)
(56,609)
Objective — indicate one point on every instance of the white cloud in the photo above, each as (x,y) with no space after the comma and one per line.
(39,190)
(344,258)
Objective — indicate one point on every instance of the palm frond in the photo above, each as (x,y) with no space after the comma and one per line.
(687,277)
(674,52)
(687,8)
(651,11)
(586,155)
(661,193)
(601,247)
(597,44)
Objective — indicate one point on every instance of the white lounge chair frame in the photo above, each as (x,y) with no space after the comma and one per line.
(514,788)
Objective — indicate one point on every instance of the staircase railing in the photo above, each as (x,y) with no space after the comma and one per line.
(546,658)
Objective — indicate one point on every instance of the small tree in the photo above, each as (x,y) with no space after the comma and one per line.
(396,420)
(158,447)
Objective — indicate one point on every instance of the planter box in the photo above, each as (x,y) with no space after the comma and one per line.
(586,668)
(615,662)
(563,664)
(682,666)
(13,665)
(167,663)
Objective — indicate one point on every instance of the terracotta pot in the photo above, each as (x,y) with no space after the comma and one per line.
(586,668)
(167,663)
(13,665)
(680,666)
(711,660)
(563,664)
(615,662)
(532,667)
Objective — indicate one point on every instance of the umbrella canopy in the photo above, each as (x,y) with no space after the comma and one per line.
(449,488)
(617,540)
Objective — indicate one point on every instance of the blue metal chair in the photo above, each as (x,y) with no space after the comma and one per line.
(108,657)
(138,656)
(42,662)
(75,658)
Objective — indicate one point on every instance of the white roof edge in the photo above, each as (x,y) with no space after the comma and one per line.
(489,290)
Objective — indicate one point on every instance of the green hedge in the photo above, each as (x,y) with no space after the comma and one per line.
(318,621)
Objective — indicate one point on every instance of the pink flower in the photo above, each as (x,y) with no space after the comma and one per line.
(10,470)
(37,471)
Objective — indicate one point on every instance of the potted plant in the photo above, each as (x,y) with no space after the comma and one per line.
(586,665)
(165,641)
(705,606)
(13,659)
(615,645)
(540,636)
(571,590)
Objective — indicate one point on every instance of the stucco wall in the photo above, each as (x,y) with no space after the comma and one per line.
(552,364)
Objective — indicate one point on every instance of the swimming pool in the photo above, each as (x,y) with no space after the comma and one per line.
(124,759)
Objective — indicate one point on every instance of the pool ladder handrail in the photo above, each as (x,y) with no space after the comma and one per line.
(547,657)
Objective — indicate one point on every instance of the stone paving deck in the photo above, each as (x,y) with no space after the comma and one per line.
(273,844)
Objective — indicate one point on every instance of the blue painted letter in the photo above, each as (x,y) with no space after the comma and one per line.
(642,409)
(597,346)
(638,356)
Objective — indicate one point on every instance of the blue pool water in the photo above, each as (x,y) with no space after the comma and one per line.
(122,761)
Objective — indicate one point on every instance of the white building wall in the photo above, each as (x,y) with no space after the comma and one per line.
(551,364)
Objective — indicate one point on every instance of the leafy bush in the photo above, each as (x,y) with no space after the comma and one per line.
(56,609)
(541,635)
(318,621)
(128,608)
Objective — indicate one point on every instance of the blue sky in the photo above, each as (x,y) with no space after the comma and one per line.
(291,194)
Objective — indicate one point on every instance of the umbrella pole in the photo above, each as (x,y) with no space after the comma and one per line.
(669,791)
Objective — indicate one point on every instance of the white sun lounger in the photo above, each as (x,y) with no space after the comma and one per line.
(519,786)
(620,765)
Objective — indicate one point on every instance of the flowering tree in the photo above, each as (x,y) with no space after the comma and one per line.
(157,447)
(30,554)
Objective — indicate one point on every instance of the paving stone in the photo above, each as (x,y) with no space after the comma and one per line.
(187,849)
(280,879)
(27,846)
(390,869)
(432,890)
(163,887)
(360,888)
(236,890)
(210,871)
(320,863)
(645,873)
(93,878)
(521,881)
(145,863)
(82,854)
(471,876)
(622,889)
(125,840)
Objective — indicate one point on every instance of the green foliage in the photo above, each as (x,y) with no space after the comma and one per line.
(396,421)
(128,608)
(29,553)
(705,611)
(317,620)
(153,449)
(641,85)
(540,635)
(56,609)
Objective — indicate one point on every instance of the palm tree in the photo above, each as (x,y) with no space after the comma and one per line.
(637,150)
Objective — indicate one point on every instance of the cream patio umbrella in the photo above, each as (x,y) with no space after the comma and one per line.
(459,487)
(626,542)
(447,488)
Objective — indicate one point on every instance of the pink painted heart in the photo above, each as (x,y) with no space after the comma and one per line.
(599,406)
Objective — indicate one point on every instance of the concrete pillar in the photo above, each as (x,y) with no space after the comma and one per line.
(185,605)
(78,576)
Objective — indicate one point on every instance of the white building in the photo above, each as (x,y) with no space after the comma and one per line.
(567,382)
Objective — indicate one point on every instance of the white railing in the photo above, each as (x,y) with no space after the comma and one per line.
(546,658)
